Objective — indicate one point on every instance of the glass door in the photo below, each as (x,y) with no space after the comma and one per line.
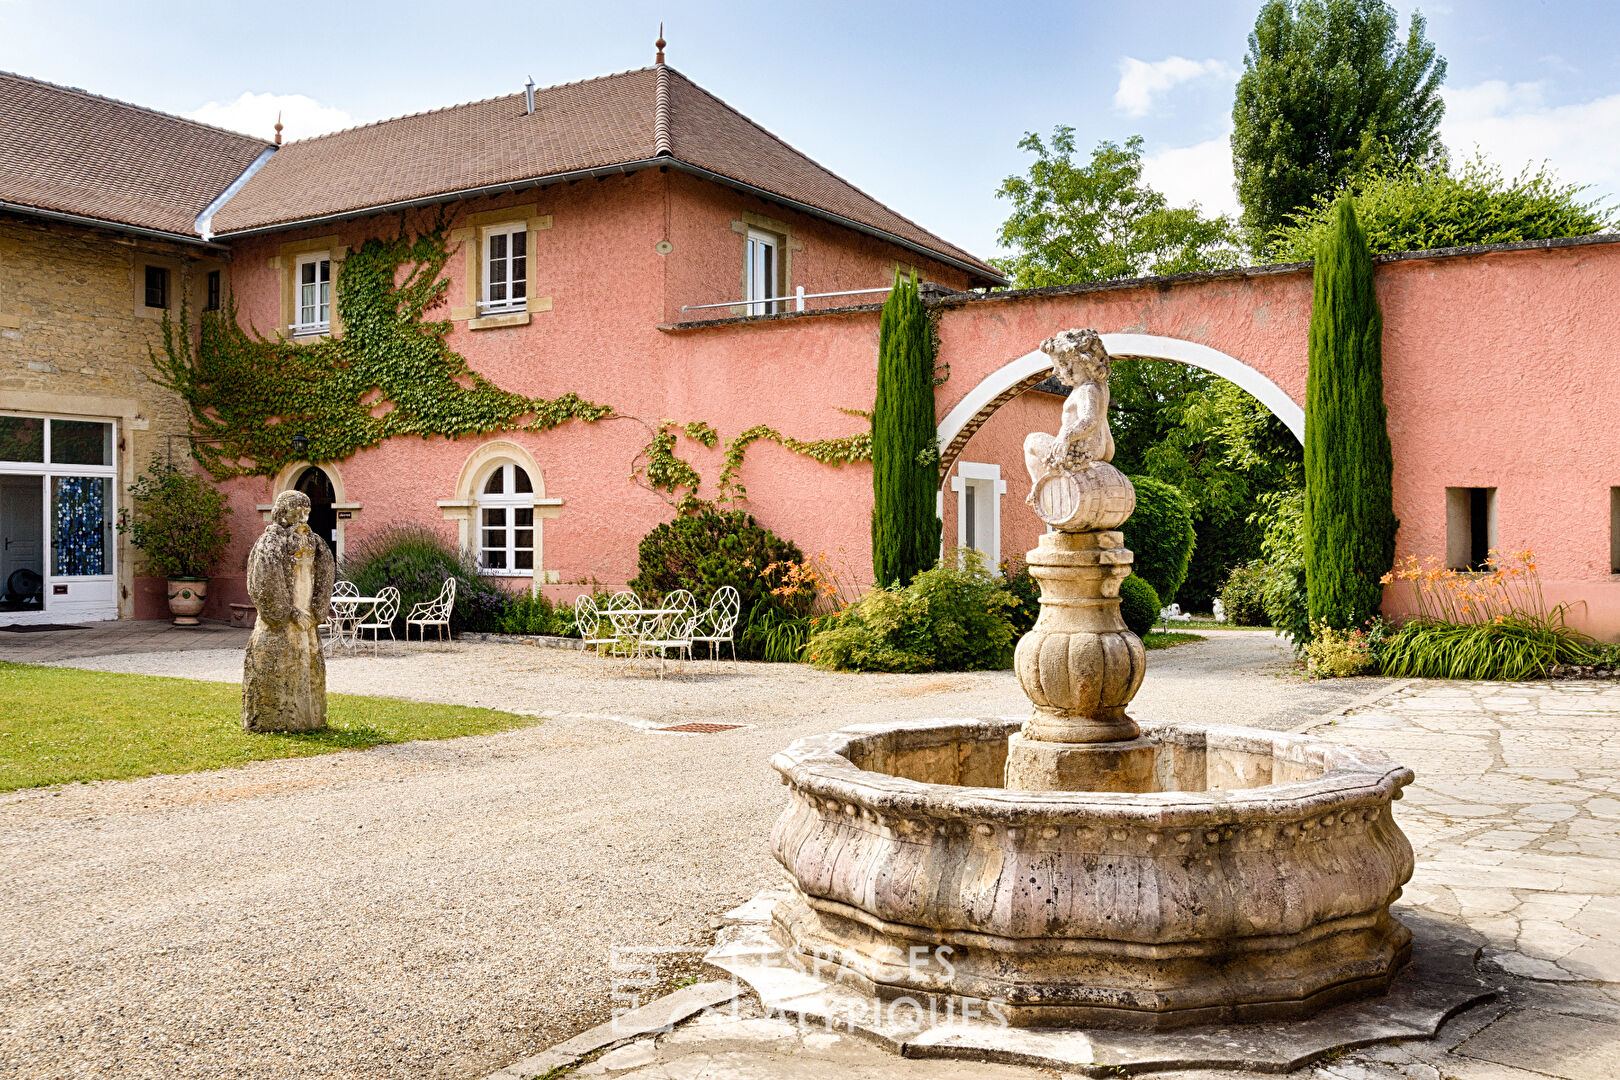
(57,547)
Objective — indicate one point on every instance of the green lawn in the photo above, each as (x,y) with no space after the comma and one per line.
(1154,639)
(59,725)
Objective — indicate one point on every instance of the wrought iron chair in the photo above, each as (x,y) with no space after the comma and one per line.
(381,616)
(671,629)
(341,613)
(589,620)
(718,623)
(435,612)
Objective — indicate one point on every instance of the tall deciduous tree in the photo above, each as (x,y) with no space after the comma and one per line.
(1418,208)
(1075,222)
(1349,521)
(1328,90)
(905,455)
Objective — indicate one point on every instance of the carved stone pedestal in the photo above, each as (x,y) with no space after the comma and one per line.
(1081,667)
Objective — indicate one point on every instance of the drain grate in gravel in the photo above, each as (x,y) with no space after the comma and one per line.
(702,729)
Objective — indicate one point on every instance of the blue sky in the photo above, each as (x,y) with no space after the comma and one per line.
(920,105)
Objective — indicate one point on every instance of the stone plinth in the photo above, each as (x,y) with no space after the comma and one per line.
(1252,881)
(1080,667)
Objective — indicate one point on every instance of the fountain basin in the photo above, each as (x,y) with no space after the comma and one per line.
(1252,883)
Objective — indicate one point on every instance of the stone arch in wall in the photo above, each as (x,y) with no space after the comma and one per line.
(342,509)
(463,507)
(1017,376)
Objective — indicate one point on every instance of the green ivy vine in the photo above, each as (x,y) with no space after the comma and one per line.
(393,373)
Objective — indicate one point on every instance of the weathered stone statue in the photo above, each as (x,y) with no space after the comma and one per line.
(289,579)
(1080,666)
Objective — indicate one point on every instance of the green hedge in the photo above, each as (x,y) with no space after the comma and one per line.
(1160,535)
(1138,604)
(1244,595)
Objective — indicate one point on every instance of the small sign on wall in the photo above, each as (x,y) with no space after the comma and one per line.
(345,515)
(58,590)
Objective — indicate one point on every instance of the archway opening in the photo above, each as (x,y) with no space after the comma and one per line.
(1184,413)
(314,483)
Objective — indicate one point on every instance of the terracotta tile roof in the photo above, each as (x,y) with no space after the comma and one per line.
(76,153)
(599,123)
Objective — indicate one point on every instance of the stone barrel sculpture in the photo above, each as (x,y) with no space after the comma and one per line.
(1071,866)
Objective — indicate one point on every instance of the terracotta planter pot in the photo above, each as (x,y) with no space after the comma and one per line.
(186,599)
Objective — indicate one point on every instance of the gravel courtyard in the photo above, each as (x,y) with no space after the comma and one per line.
(438,909)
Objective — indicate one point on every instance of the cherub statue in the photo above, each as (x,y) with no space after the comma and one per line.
(289,579)
(1081,362)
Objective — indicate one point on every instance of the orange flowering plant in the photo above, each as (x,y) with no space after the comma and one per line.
(1492,624)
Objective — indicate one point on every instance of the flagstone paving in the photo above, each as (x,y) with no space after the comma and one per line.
(1515,818)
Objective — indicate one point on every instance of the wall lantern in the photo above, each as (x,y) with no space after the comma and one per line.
(300,444)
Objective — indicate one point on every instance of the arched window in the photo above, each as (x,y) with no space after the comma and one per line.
(506,521)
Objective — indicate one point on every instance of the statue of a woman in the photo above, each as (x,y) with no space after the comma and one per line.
(289,579)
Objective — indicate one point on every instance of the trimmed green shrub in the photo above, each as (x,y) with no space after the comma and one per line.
(1138,604)
(1160,535)
(953,617)
(1025,591)
(1244,595)
(1349,524)
(416,561)
(528,613)
(905,458)
(703,551)
(179,521)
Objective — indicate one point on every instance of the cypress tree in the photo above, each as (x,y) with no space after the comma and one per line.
(905,454)
(1349,503)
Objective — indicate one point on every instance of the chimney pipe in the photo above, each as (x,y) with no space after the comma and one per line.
(528,94)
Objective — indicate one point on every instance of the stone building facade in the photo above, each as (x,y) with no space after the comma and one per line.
(75,338)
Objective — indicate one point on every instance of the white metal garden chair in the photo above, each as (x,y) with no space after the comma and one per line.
(341,613)
(624,598)
(435,612)
(589,620)
(718,623)
(671,630)
(381,616)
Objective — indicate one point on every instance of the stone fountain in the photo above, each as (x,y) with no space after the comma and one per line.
(1072,870)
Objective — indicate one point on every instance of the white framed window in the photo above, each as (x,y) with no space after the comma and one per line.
(760,272)
(979,488)
(312,298)
(506,269)
(1470,527)
(506,521)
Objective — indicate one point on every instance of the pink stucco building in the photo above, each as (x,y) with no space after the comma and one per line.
(636,241)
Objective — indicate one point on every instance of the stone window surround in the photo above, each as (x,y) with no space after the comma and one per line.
(786,245)
(177,283)
(183,271)
(991,476)
(288,475)
(285,264)
(463,509)
(471,238)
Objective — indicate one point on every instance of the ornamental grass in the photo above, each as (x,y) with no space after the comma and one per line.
(1492,625)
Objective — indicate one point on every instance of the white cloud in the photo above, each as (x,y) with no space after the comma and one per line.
(1201,173)
(1140,81)
(1514,126)
(255,114)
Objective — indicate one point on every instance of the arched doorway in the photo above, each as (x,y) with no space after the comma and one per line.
(314,482)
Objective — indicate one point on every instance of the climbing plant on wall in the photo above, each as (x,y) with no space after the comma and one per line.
(390,373)
(393,373)
(905,454)
(1349,522)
